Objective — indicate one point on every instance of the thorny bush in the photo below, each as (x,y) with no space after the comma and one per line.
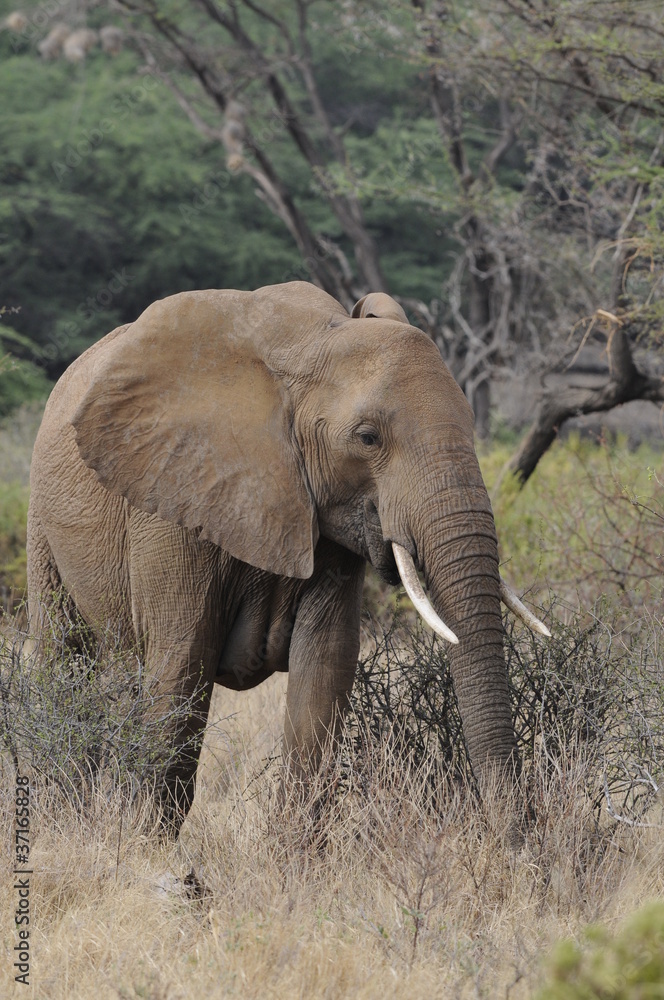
(590,698)
(86,718)
(587,700)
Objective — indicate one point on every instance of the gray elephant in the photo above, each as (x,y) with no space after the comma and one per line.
(211,479)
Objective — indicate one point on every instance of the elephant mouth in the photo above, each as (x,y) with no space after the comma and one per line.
(395,564)
(380,551)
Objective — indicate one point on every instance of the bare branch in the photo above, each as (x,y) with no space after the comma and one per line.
(199,123)
(627,384)
(505,142)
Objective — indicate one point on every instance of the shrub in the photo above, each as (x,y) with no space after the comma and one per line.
(626,966)
(589,523)
(20,382)
(83,717)
(403,692)
(589,697)
(16,439)
(13,518)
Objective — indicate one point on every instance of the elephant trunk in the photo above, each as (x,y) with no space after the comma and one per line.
(457,551)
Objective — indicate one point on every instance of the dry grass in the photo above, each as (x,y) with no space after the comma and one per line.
(380,899)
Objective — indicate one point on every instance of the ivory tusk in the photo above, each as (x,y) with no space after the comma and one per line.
(414,589)
(511,601)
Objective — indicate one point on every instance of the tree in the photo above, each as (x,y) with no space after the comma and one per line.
(109,200)
(252,45)
(569,244)
(496,165)
(598,73)
(259,69)
(547,142)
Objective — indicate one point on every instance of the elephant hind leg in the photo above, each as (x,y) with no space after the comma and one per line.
(43,576)
(52,614)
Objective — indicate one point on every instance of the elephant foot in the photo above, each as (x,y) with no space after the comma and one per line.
(307,804)
(172,807)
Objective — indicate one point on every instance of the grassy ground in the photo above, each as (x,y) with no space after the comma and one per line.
(385,897)
(398,903)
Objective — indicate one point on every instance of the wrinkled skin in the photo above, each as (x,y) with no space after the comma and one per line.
(211,479)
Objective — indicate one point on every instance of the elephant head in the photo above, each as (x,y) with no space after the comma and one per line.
(266,419)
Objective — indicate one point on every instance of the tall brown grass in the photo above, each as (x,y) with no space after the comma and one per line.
(404,885)
(388,891)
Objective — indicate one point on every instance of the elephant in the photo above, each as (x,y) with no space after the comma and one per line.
(211,479)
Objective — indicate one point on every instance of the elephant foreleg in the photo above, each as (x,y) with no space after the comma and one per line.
(179,689)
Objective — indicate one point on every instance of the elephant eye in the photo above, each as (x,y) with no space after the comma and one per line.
(368,437)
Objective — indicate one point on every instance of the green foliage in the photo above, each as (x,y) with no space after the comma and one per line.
(589,523)
(13,519)
(16,438)
(109,200)
(627,965)
(20,380)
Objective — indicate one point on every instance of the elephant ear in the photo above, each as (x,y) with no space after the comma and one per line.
(379,306)
(184,419)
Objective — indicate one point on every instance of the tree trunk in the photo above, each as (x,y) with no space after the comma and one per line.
(560,405)
(479,316)
(482,408)
(626,382)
